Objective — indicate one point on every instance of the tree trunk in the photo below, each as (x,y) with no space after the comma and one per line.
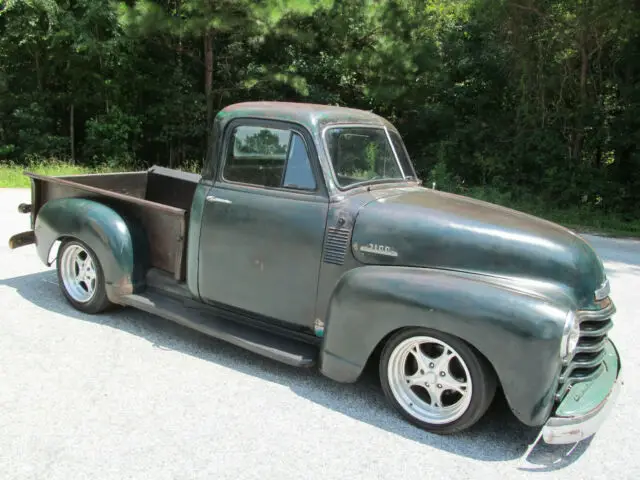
(208,77)
(584,70)
(38,71)
(72,132)
(180,77)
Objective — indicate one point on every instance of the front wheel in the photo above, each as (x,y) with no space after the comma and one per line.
(81,278)
(435,380)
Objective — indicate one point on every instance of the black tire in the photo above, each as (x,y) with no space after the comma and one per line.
(483,380)
(99,302)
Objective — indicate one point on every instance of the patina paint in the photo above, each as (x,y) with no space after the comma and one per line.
(434,229)
(277,236)
(193,239)
(261,253)
(119,243)
(517,330)
(342,215)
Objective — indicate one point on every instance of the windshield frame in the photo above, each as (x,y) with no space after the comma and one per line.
(351,186)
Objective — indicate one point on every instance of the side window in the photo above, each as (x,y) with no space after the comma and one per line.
(299,174)
(269,157)
(257,156)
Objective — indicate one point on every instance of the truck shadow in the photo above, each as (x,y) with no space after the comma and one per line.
(501,436)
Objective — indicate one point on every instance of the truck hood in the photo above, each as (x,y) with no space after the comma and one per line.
(419,227)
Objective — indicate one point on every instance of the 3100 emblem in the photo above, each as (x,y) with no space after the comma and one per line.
(379,250)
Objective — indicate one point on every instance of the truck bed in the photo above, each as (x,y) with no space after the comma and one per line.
(159,198)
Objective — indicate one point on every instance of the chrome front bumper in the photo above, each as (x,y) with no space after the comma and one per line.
(576,418)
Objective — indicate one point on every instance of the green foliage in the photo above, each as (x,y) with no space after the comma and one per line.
(263,142)
(112,137)
(522,102)
(34,134)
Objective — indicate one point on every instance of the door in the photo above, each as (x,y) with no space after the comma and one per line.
(263,223)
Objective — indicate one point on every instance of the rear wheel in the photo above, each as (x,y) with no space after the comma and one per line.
(81,278)
(435,380)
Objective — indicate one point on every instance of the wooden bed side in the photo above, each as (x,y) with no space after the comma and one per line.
(165,225)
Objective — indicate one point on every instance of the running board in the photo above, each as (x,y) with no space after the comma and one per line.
(267,344)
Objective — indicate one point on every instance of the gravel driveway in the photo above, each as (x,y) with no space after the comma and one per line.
(129,395)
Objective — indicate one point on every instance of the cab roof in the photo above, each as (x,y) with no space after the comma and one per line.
(310,115)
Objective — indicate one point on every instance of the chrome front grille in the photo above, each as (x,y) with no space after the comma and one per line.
(586,364)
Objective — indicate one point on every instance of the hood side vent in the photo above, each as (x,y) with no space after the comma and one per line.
(335,245)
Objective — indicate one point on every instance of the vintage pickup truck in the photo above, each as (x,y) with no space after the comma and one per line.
(309,239)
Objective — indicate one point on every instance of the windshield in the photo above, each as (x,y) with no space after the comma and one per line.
(363,154)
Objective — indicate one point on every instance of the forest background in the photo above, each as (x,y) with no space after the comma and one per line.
(533,104)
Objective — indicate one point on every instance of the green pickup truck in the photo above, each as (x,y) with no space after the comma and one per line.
(309,239)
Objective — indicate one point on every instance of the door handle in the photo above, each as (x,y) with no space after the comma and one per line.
(212,199)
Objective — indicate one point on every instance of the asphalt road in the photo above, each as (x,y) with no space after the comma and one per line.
(129,395)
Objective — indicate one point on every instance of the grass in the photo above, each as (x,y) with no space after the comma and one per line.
(12,175)
(596,223)
(588,221)
(580,219)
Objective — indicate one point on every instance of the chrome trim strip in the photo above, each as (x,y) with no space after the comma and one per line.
(572,381)
(590,348)
(395,154)
(596,332)
(602,314)
(575,364)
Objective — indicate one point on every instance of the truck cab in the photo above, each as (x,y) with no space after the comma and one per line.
(272,191)
(308,238)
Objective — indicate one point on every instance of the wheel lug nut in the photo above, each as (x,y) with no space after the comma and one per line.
(442,374)
(431,365)
(421,372)
(439,386)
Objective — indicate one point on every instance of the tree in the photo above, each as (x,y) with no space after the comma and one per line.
(211,19)
(524,102)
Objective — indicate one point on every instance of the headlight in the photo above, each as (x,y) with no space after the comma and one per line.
(570,337)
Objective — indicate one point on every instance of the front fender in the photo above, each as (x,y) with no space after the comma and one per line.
(515,323)
(119,243)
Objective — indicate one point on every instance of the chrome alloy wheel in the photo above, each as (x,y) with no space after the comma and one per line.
(430,380)
(78,273)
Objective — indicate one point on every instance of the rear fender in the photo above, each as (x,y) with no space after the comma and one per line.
(516,325)
(119,243)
